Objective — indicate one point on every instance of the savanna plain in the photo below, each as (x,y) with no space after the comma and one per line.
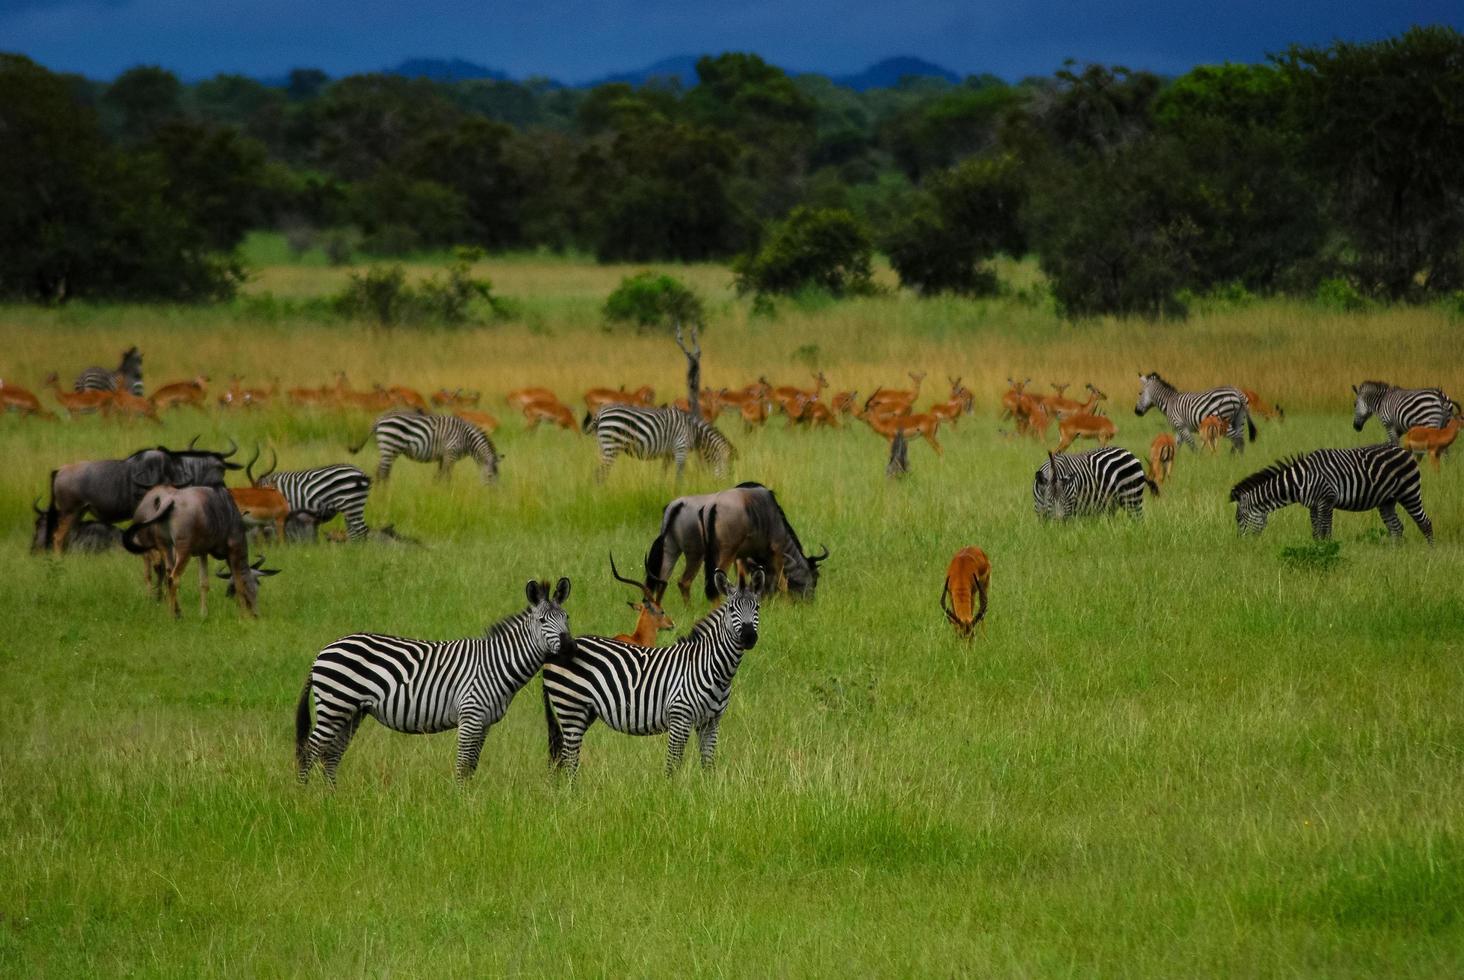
(1174,751)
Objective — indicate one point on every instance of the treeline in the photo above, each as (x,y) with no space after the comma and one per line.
(1337,165)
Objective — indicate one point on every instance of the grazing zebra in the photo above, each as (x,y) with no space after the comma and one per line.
(326,491)
(425,686)
(1324,480)
(657,433)
(425,437)
(649,690)
(1185,409)
(1400,409)
(1094,482)
(128,373)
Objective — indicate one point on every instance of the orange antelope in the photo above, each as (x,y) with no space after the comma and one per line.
(1084,426)
(651,618)
(237,396)
(547,411)
(1259,406)
(376,400)
(785,396)
(1212,428)
(481,420)
(598,398)
(968,579)
(1426,439)
(520,397)
(409,397)
(1032,417)
(127,404)
(191,393)
(961,402)
(1012,397)
(1161,457)
(845,402)
(77,402)
(754,412)
(892,400)
(924,425)
(814,414)
(311,397)
(262,505)
(709,404)
(14,399)
(458,398)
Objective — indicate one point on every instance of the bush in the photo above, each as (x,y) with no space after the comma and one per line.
(1340,296)
(816,248)
(648,299)
(1315,556)
(969,215)
(383,295)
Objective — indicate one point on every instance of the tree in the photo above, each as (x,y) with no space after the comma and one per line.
(1382,130)
(143,98)
(819,248)
(968,215)
(214,176)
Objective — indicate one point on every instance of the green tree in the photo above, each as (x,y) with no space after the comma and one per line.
(142,99)
(968,214)
(812,248)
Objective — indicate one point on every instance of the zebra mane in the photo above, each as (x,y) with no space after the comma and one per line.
(1154,376)
(786,525)
(508,623)
(1262,477)
(706,625)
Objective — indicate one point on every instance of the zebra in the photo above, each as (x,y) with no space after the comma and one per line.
(649,690)
(129,372)
(1324,480)
(326,491)
(421,687)
(1097,481)
(1400,409)
(657,433)
(426,437)
(1185,409)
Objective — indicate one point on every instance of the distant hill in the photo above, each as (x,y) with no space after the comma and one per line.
(445,70)
(682,68)
(889,72)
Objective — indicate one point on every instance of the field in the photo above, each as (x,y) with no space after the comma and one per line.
(1174,752)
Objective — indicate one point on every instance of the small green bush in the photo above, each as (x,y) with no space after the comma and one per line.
(819,248)
(1317,556)
(1340,296)
(383,295)
(649,299)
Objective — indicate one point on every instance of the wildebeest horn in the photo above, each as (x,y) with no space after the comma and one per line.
(192,443)
(259,563)
(36,506)
(815,559)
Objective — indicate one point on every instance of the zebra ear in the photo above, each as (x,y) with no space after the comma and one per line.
(720,580)
(561,591)
(535,592)
(1354,389)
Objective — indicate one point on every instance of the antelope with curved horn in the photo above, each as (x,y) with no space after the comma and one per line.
(968,581)
(1161,457)
(961,402)
(651,619)
(191,393)
(1012,397)
(892,401)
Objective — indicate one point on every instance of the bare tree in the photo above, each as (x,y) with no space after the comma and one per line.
(693,368)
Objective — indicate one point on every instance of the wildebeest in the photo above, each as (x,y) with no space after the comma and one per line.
(714,529)
(111,489)
(173,524)
(87,537)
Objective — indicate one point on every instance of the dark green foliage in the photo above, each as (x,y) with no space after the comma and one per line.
(969,215)
(1382,128)
(649,299)
(813,248)
(1315,556)
(383,296)
(142,99)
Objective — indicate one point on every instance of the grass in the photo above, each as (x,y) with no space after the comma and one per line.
(1174,753)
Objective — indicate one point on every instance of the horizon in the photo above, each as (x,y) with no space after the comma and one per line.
(580,45)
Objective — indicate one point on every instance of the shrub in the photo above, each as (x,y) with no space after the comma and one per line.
(1315,556)
(1340,296)
(822,248)
(383,295)
(649,299)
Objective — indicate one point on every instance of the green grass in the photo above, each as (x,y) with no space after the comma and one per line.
(1173,753)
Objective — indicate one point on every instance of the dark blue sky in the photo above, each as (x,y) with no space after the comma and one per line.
(575,40)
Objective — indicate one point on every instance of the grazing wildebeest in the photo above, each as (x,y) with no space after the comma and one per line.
(173,524)
(111,489)
(87,537)
(712,530)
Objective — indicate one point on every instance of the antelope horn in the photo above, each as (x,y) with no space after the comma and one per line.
(233,448)
(628,581)
(249,466)
(192,442)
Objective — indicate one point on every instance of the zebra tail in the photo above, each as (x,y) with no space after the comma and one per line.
(709,555)
(588,425)
(353,450)
(1251,424)
(129,536)
(556,734)
(302,723)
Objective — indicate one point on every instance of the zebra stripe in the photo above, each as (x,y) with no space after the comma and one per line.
(649,690)
(1325,480)
(1093,482)
(128,373)
(1400,409)
(1185,409)
(420,687)
(657,433)
(425,437)
(327,491)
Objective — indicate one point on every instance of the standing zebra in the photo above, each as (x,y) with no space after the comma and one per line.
(1185,409)
(326,491)
(421,687)
(426,437)
(1400,409)
(128,374)
(652,433)
(1094,482)
(1324,480)
(649,690)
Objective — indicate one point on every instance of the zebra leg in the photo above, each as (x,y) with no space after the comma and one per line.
(383,466)
(444,466)
(680,464)
(332,752)
(607,458)
(471,731)
(706,741)
(677,733)
(1187,438)
(1413,503)
(1389,513)
(572,727)
(1236,435)
(1321,520)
